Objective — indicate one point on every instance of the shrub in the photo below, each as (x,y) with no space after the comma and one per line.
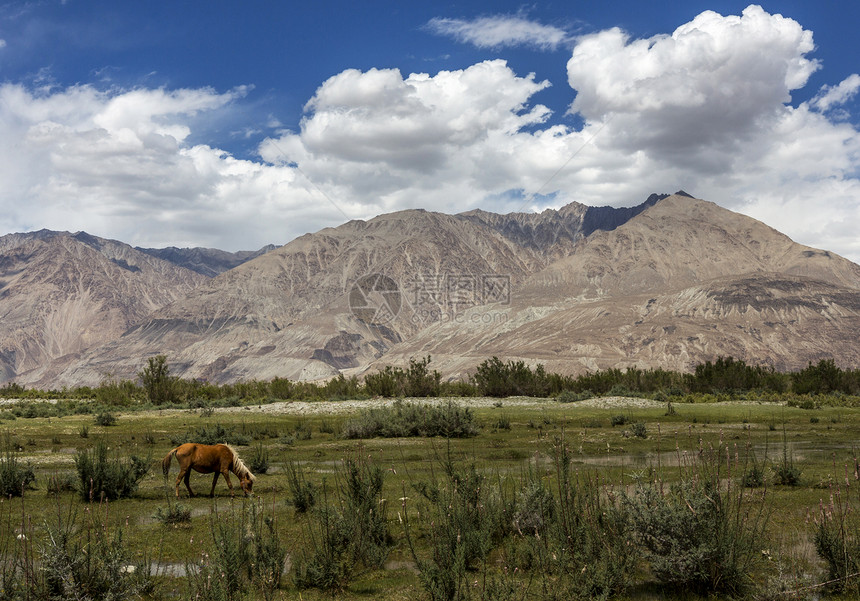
(245,551)
(704,534)
(159,385)
(327,563)
(754,476)
(569,396)
(410,419)
(836,542)
(89,563)
(304,493)
(462,524)
(639,430)
(618,420)
(365,511)
(587,549)
(503,422)
(113,392)
(259,460)
(498,379)
(99,475)
(416,381)
(355,533)
(14,478)
(213,434)
(105,419)
(176,513)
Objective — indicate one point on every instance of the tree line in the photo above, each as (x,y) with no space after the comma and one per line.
(493,377)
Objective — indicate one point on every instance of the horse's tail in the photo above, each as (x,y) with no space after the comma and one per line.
(165,463)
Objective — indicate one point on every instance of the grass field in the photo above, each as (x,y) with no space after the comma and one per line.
(612,446)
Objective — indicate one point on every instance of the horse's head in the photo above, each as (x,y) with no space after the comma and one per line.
(247,483)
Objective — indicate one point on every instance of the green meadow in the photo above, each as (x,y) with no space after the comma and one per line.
(530,499)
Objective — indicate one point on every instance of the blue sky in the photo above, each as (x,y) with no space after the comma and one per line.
(233,125)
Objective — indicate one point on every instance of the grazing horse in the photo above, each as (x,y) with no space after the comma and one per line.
(205,458)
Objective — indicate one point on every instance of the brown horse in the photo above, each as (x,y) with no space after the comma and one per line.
(205,458)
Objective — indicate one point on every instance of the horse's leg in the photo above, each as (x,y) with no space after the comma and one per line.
(214,480)
(178,480)
(227,478)
(188,482)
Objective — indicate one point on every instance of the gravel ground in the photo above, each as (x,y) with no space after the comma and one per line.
(338,407)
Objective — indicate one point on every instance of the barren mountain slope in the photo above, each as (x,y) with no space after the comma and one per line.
(554,233)
(206,261)
(287,312)
(683,282)
(62,293)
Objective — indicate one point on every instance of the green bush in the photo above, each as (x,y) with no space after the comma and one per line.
(176,513)
(101,476)
(14,478)
(411,419)
(416,381)
(569,396)
(705,534)
(304,493)
(246,551)
(88,563)
(159,385)
(105,419)
(838,545)
(463,523)
(587,552)
(258,463)
(353,534)
(619,420)
(213,434)
(326,563)
(495,378)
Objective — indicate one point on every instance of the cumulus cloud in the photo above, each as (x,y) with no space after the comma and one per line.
(706,108)
(116,164)
(2,43)
(833,96)
(387,141)
(500,31)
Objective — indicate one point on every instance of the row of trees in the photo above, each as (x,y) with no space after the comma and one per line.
(493,377)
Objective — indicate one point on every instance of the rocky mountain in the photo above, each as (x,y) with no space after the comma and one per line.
(682,282)
(205,261)
(63,293)
(290,312)
(554,233)
(668,283)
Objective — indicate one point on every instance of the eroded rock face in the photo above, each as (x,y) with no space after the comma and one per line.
(669,283)
(61,294)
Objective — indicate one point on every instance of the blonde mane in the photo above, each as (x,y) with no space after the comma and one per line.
(239,467)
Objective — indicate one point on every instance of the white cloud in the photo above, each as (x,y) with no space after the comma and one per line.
(116,164)
(705,109)
(385,141)
(833,96)
(500,31)
(2,43)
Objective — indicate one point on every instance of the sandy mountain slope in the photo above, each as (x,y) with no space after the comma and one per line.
(680,283)
(287,313)
(62,293)
(205,261)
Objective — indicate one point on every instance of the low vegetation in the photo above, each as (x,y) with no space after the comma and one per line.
(680,497)
(493,377)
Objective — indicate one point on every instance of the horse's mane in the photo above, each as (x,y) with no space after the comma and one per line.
(239,467)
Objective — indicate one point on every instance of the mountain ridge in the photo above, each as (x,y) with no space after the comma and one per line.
(669,282)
